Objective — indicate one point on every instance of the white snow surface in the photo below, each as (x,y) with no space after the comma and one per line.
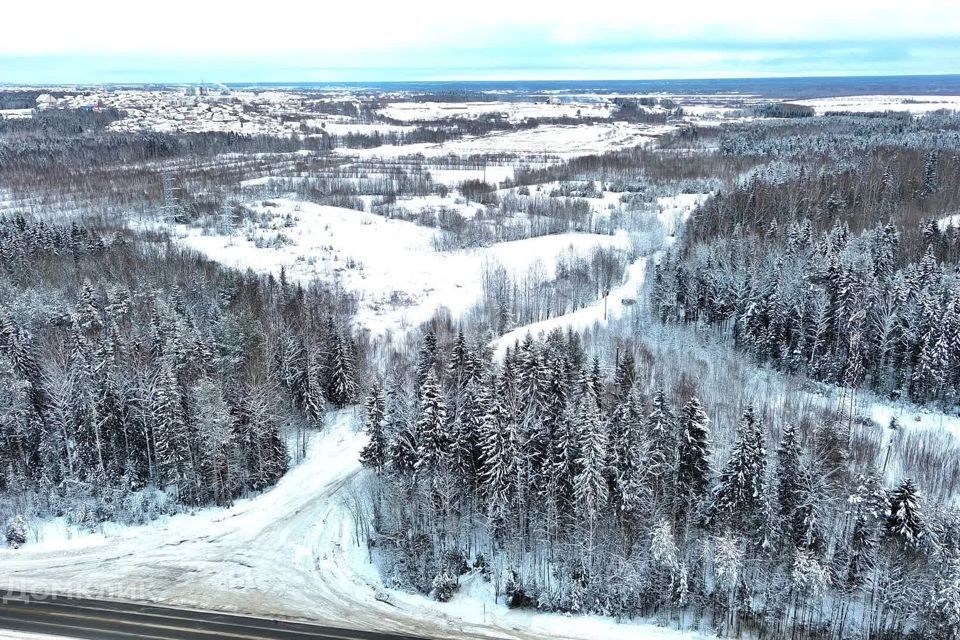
(391,264)
(512,111)
(913,417)
(949,221)
(866,104)
(671,212)
(559,141)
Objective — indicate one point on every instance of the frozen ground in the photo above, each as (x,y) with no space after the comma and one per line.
(866,104)
(492,174)
(392,265)
(292,552)
(949,221)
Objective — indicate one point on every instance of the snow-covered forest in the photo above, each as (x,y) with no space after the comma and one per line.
(589,491)
(140,379)
(625,359)
(578,480)
(839,268)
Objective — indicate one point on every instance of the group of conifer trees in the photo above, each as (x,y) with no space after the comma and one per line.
(581,488)
(850,309)
(136,376)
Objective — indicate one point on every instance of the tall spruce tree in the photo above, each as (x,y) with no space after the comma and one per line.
(375,453)
(693,466)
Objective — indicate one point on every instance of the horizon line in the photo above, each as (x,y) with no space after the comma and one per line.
(468,80)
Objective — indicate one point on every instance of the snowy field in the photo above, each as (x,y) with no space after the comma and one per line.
(560,141)
(344,126)
(867,104)
(392,264)
(512,111)
(492,174)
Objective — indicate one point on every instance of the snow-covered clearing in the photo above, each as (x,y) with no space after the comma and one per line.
(342,128)
(512,111)
(619,299)
(492,174)
(416,205)
(16,114)
(866,104)
(671,212)
(294,552)
(391,264)
(560,141)
(912,417)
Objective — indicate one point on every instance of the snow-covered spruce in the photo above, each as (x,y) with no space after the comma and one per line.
(574,492)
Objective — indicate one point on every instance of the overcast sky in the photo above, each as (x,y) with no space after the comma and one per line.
(343,40)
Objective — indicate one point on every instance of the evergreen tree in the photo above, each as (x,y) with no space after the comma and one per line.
(501,457)
(312,392)
(931,177)
(342,387)
(375,453)
(662,435)
(591,490)
(626,374)
(433,437)
(461,363)
(693,469)
(790,485)
(905,521)
(738,496)
(426,360)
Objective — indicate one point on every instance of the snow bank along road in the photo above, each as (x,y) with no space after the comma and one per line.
(110,620)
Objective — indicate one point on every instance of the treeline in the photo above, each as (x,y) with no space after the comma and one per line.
(840,136)
(431,131)
(835,307)
(641,110)
(23,99)
(59,122)
(446,129)
(783,110)
(685,159)
(904,185)
(573,489)
(79,139)
(138,376)
(836,260)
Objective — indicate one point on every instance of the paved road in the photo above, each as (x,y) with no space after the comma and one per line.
(110,620)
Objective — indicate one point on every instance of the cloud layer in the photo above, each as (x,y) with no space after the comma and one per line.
(288,40)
